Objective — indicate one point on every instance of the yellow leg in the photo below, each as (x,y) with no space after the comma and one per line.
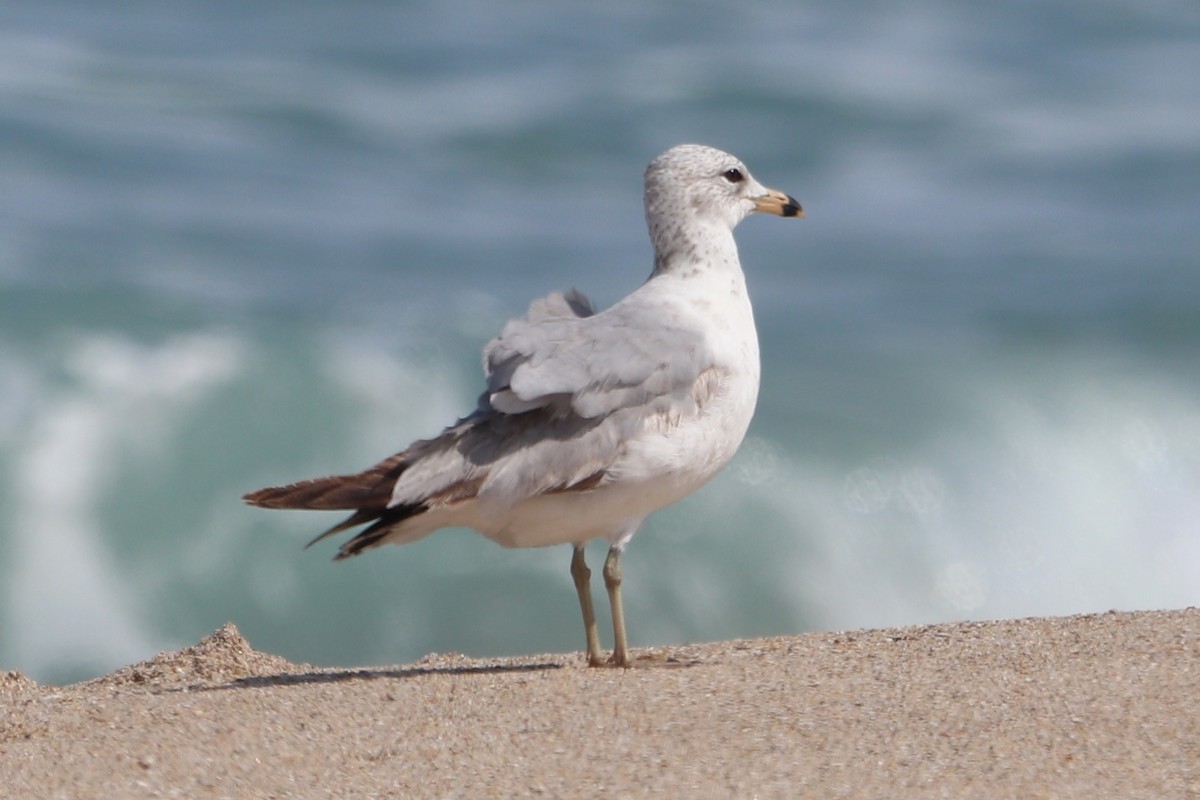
(582,575)
(612,582)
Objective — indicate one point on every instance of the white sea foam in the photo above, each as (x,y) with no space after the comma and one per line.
(66,599)
(380,384)
(1081,495)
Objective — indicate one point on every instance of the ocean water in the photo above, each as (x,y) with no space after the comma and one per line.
(242,245)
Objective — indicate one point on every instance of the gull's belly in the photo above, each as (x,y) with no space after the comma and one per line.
(661,466)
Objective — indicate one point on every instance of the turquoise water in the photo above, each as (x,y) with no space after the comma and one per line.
(243,247)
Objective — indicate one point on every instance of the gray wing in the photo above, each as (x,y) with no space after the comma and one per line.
(567,388)
(565,357)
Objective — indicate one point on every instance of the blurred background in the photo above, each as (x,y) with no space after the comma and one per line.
(242,245)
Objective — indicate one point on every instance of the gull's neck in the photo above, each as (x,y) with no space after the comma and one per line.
(686,250)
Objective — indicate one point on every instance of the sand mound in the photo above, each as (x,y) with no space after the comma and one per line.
(221,657)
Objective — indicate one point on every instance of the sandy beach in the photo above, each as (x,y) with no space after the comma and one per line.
(1101,705)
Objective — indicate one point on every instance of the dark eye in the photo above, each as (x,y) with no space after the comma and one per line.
(733,175)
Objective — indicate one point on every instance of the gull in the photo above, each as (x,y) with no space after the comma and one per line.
(589,420)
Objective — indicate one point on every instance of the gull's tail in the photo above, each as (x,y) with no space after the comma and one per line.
(368,493)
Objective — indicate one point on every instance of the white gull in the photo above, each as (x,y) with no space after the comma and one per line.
(590,420)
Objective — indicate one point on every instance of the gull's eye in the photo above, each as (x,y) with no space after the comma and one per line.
(733,175)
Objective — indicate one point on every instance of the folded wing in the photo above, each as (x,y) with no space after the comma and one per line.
(567,389)
(563,357)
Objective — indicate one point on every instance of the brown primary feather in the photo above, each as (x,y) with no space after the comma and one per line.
(368,493)
(371,488)
(386,520)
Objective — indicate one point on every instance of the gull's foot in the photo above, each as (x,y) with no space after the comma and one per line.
(621,660)
(611,661)
(648,658)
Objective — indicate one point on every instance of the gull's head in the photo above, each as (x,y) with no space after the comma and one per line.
(709,185)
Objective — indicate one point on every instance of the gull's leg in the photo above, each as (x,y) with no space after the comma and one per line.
(612,582)
(581,575)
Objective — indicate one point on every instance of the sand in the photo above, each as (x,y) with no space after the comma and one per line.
(1090,706)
